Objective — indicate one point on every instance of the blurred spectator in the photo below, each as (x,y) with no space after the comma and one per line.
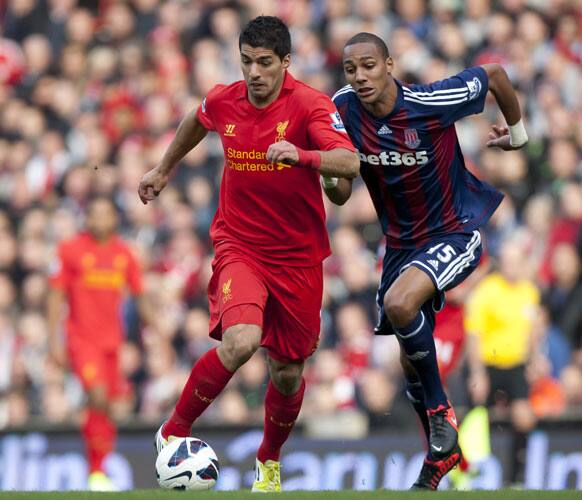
(502,342)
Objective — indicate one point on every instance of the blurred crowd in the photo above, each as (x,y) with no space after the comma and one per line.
(90,94)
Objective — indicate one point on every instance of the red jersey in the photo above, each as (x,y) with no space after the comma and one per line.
(272,212)
(94,277)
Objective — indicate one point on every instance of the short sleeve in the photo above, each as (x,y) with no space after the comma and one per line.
(452,98)
(134,275)
(60,271)
(325,128)
(207,109)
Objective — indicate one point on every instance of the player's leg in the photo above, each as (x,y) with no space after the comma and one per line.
(99,433)
(402,304)
(415,393)
(282,405)
(237,298)
(408,306)
(212,372)
(394,261)
(292,325)
(97,428)
(283,402)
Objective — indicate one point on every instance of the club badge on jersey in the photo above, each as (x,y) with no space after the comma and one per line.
(411,138)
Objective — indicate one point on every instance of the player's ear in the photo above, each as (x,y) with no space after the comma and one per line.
(389,65)
(286,61)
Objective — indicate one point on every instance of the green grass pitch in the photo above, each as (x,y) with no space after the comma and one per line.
(300,495)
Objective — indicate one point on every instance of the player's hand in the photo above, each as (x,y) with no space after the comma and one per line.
(282,152)
(152,184)
(499,138)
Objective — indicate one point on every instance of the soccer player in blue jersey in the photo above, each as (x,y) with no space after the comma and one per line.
(429,205)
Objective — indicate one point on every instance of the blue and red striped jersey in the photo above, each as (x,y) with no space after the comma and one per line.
(412,163)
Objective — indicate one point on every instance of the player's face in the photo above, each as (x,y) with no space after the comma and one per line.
(263,71)
(101,219)
(367,71)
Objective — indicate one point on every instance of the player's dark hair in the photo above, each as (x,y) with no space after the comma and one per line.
(268,32)
(364,37)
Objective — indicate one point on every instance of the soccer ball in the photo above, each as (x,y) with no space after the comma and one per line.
(187,464)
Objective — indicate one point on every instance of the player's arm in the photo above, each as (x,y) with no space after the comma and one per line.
(338,190)
(190,132)
(337,162)
(514,135)
(332,154)
(55,306)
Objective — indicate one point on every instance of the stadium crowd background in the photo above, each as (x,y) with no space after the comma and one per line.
(90,94)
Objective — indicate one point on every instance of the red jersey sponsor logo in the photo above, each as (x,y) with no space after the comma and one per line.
(234,157)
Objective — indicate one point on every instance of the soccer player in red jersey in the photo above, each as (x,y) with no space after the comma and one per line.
(93,272)
(269,235)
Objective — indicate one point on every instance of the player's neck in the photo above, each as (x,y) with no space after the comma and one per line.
(385,102)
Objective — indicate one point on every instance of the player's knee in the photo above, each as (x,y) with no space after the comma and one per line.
(400,312)
(239,343)
(286,378)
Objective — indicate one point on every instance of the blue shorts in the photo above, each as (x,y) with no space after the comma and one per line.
(447,260)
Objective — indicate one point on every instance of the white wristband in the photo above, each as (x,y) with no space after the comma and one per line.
(329,182)
(517,134)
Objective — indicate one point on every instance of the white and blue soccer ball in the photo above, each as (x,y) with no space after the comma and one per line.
(187,464)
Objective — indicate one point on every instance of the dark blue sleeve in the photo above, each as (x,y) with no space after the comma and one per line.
(452,98)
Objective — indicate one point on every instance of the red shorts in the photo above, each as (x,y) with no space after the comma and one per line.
(288,297)
(98,367)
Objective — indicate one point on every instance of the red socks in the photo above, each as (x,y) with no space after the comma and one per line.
(99,434)
(280,414)
(207,380)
